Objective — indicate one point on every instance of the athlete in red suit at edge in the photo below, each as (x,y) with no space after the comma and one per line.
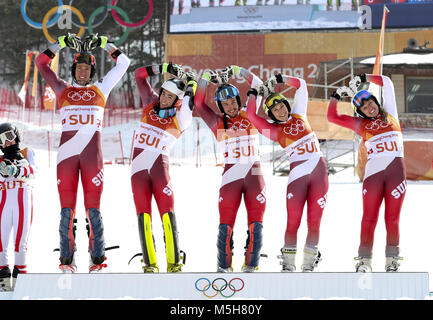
(385,172)
(242,175)
(81,107)
(165,117)
(308,177)
(17,169)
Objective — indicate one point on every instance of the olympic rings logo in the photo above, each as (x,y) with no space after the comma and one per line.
(239,125)
(219,286)
(376,125)
(95,19)
(294,128)
(85,95)
(162,121)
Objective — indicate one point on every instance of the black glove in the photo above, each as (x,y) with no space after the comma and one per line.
(174,69)
(252,91)
(70,40)
(335,95)
(94,41)
(262,90)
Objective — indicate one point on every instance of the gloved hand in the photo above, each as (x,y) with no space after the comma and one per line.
(189,76)
(8,169)
(342,92)
(356,81)
(94,41)
(191,87)
(212,76)
(262,90)
(228,72)
(173,69)
(70,40)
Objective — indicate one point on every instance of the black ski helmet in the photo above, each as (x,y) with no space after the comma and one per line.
(87,58)
(225,91)
(271,100)
(8,127)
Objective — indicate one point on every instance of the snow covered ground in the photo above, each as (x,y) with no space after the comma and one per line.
(196,206)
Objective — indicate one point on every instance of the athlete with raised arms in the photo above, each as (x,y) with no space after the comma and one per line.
(166,115)
(308,177)
(81,107)
(385,172)
(242,175)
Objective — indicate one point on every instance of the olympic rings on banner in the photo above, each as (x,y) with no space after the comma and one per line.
(38,25)
(132,25)
(98,21)
(47,15)
(214,285)
(122,13)
(98,16)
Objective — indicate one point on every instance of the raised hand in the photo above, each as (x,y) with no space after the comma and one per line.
(212,76)
(262,90)
(94,41)
(70,40)
(342,92)
(174,69)
(356,81)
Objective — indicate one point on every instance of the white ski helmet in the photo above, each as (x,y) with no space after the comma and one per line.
(175,86)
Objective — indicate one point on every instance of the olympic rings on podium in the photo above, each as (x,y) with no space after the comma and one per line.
(47,15)
(38,25)
(122,13)
(132,25)
(217,290)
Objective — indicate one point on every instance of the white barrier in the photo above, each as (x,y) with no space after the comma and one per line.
(199,286)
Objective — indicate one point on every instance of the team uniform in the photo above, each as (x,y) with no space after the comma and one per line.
(238,140)
(385,173)
(308,177)
(153,141)
(16,211)
(81,109)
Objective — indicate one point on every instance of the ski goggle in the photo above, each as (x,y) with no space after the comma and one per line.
(7,136)
(166,113)
(272,101)
(359,98)
(226,93)
(85,58)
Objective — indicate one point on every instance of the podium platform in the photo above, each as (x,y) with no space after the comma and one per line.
(221,286)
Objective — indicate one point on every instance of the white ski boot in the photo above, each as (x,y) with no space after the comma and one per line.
(392,263)
(312,257)
(288,256)
(364,264)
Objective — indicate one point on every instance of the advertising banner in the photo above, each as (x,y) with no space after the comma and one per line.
(295,15)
